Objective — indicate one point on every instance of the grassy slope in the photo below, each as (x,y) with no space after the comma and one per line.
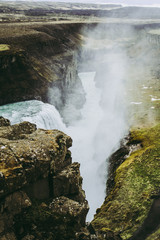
(125,209)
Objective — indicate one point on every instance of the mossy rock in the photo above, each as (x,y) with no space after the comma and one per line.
(137,178)
(39,221)
(4,47)
(155,236)
(57,219)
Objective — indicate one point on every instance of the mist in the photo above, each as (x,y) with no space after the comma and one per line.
(115,69)
(113,72)
(102,123)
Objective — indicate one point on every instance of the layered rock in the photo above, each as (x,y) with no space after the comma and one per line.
(41,192)
(38,58)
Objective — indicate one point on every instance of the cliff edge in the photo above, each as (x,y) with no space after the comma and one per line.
(131,208)
(37,57)
(41,194)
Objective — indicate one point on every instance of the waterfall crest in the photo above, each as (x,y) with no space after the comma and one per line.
(42,114)
(95,135)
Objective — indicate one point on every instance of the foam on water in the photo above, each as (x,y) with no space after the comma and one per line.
(95,135)
(42,114)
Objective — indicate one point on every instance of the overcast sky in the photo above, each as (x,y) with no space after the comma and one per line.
(130,2)
(124,2)
(134,2)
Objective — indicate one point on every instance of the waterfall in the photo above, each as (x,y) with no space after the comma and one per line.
(95,135)
(84,149)
(42,114)
(98,133)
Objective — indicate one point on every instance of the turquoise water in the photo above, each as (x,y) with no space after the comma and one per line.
(42,114)
(95,135)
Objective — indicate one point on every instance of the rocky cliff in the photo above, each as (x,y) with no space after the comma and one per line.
(41,194)
(131,207)
(34,58)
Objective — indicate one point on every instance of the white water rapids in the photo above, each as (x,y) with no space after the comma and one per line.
(42,114)
(95,136)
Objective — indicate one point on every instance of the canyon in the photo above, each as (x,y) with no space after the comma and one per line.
(46,56)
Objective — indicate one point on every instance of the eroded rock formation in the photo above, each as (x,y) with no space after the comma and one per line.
(36,58)
(131,207)
(41,194)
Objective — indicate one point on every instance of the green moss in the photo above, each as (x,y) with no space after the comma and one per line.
(4,47)
(137,178)
(155,236)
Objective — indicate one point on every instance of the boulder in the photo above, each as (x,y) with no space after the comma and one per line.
(72,183)
(4,122)
(71,210)
(36,168)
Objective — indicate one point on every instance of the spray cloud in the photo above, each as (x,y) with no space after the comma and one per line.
(112,72)
(97,134)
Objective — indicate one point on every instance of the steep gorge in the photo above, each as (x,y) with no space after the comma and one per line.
(38,57)
(46,60)
(41,192)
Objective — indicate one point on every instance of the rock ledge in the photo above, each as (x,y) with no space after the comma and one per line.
(41,192)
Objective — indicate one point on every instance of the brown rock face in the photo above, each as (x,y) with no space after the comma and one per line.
(73,210)
(40,57)
(41,194)
(4,122)
(72,183)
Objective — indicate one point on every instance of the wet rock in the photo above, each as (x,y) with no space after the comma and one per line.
(4,122)
(10,206)
(115,161)
(36,63)
(14,203)
(35,167)
(35,156)
(83,235)
(129,210)
(109,235)
(72,182)
(71,210)
(28,237)
(9,236)
(19,130)
(62,219)
(1,226)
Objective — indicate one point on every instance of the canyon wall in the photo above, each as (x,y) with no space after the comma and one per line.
(131,207)
(41,194)
(41,190)
(35,58)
